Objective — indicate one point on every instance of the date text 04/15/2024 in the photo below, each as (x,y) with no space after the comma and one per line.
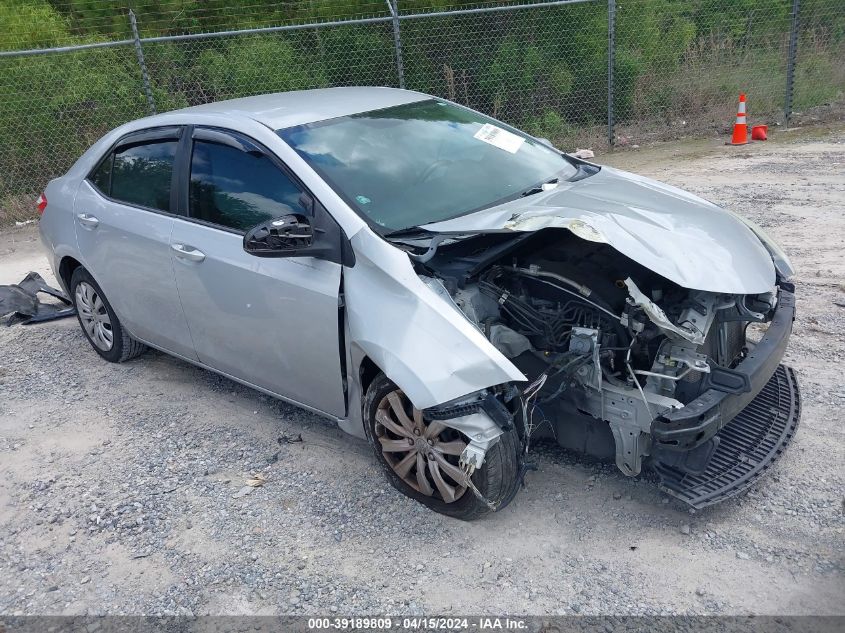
(418,623)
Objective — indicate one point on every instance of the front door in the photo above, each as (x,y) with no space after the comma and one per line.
(272,322)
(123,223)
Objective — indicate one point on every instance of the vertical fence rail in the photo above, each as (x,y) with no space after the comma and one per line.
(397,41)
(790,61)
(611,63)
(145,78)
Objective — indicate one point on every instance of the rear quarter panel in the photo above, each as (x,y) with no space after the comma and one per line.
(56,226)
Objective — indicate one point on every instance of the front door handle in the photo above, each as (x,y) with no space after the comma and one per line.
(88,221)
(188,252)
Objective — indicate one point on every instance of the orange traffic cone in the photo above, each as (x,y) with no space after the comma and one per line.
(740,136)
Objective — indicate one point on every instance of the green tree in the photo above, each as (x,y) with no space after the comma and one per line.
(257,65)
(28,24)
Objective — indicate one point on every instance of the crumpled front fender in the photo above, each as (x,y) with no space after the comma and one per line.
(415,336)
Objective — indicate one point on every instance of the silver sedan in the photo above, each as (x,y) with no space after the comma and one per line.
(440,284)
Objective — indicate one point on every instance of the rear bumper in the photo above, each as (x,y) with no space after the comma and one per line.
(700,420)
(50,254)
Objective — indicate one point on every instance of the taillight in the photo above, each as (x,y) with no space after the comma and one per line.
(41,203)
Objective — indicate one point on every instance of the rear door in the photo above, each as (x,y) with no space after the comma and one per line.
(272,322)
(123,217)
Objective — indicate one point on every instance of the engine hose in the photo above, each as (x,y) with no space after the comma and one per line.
(592,302)
(581,288)
(563,382)
(532,322)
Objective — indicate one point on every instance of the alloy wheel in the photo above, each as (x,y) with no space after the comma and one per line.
(424,454)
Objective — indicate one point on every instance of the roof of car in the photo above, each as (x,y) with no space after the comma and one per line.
(286,109)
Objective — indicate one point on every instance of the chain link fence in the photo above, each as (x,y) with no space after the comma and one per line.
(580,72)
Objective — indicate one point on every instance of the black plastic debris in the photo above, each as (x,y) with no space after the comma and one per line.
(19,303)
(289,439)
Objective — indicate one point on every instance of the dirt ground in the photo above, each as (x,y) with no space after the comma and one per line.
(119,483)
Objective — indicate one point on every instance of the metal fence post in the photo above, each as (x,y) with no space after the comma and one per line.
(397,41)
(790,62)
(140,53)
(611,63)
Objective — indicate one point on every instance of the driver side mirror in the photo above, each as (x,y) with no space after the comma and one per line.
(285,236)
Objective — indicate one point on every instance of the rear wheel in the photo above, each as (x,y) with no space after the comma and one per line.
(420,456)
(100,324)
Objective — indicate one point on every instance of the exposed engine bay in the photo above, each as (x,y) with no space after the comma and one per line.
(608,346)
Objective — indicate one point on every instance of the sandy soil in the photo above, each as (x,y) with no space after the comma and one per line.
(117,482)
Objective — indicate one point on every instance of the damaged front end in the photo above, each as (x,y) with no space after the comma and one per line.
(621,363)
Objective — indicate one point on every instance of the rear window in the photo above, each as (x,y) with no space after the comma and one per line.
(142,174)
(139,174)
(102,176)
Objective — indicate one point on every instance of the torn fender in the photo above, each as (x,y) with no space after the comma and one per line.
(414,335)
(658,316)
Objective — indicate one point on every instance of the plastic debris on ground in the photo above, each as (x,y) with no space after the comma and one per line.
(20,303)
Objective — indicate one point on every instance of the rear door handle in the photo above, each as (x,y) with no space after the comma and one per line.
(188,253)
(88,221)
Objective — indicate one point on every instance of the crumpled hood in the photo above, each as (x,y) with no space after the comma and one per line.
(682,237)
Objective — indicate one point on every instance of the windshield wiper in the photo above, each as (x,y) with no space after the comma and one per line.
(418,233)
(411,231)
(415,232)
(539,188)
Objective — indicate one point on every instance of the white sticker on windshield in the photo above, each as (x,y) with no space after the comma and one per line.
(500,138)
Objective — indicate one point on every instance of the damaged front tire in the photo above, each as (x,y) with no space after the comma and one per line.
(420,457)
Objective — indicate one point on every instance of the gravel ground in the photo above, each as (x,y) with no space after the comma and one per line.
(120,485)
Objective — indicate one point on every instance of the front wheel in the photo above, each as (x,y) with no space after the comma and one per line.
(420,457)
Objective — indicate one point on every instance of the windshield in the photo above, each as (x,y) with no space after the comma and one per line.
(424,162)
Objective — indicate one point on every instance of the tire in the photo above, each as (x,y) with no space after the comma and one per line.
(106,335)
(497,479)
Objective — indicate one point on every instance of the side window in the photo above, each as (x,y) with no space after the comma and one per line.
(142,174)
(102,176)
(238,190)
